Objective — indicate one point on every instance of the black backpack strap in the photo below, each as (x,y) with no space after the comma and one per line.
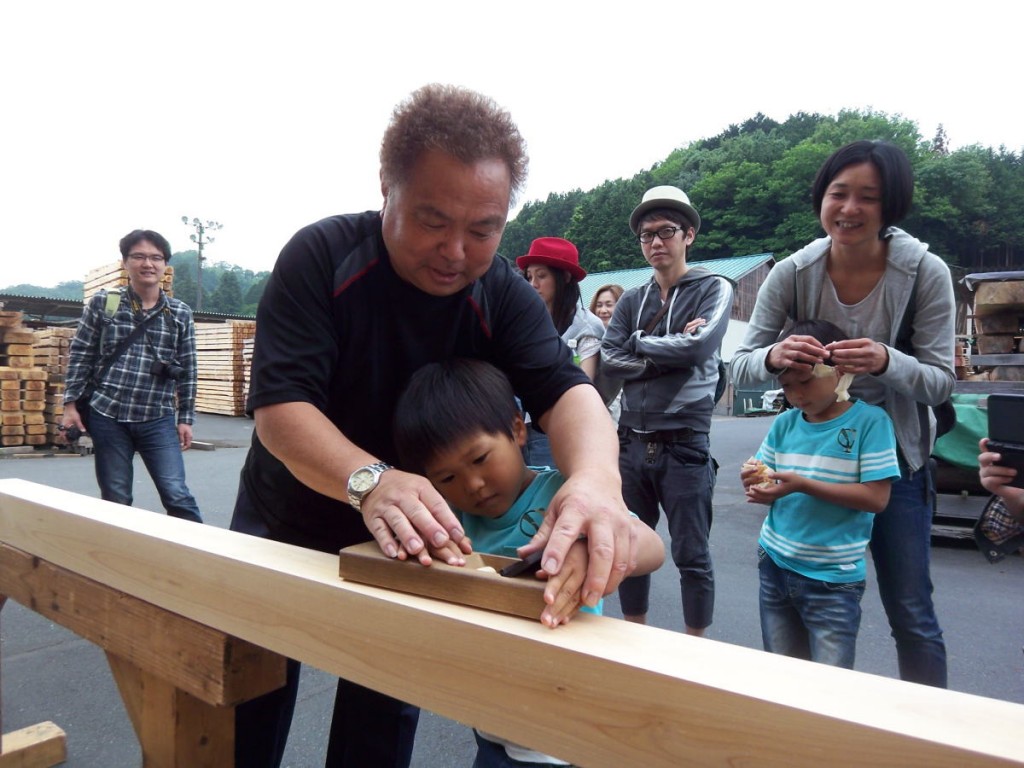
(106,363)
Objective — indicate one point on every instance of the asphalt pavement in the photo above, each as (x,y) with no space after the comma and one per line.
(50,674)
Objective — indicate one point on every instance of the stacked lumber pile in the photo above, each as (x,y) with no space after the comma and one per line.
(222,369)
(114,275)
(999,321)
(247,349)
(52,346)
(22,387)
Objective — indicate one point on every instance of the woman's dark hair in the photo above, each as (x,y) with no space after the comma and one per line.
(822,330)
(136,236)
(893,168)
(447,402)
(566,299)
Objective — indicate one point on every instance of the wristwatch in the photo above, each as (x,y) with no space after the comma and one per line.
(364,480)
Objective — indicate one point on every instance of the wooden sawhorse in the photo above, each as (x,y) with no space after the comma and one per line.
(180,680)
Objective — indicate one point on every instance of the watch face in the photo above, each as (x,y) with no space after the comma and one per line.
(362,481)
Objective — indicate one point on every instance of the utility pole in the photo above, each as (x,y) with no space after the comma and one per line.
(201,229)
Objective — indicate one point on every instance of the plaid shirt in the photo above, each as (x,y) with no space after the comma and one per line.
(129,391)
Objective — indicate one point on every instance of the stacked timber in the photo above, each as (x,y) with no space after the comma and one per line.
(222,368)
(52,346)
(114,275)
(999,322)
(32,369)
(247,349)
(22,387)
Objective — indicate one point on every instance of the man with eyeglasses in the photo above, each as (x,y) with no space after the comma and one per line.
(663,341)
(131,381)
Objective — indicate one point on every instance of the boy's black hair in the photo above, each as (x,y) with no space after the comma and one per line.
(447,402)
(822,330)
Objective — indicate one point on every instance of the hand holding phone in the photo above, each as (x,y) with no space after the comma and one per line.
(1006,432)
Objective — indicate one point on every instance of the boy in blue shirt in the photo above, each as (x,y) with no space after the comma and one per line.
(457,424)
(825,470)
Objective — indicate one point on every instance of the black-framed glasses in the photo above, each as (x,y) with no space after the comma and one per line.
(665,233)
(138,258)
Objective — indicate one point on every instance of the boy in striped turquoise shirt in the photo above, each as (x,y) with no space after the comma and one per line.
(830,465)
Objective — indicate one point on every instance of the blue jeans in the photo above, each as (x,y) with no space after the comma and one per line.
(807,618)
(679,477)
(367,727)
(537,451)
(901,550)
(114,445)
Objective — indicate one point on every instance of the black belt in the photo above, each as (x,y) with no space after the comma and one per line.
(661,435)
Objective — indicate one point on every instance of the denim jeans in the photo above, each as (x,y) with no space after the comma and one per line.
(537,451)
(679,477)
(901,551)
(367,727)
(807,618)
(114,445)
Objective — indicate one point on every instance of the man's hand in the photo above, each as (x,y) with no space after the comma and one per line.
(71,418)
(185,436)
(996,480)
(404,510)
(591,506)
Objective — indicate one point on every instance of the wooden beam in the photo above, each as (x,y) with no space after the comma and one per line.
(599,692)
(210,665)
(38,746)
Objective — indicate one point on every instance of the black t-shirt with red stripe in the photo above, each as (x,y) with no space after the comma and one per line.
(337,328)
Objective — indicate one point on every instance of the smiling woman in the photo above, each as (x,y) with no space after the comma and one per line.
(865,276)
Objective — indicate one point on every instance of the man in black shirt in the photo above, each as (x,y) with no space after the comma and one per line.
(355,305)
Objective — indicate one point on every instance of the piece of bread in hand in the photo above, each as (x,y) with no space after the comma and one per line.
(762,474)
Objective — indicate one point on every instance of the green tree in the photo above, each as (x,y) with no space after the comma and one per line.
(227,296)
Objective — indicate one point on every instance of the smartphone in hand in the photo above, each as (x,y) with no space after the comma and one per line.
(1006,431)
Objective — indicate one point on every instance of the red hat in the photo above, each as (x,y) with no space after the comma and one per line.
(554,252)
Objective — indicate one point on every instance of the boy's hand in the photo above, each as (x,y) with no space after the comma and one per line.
(756,472)
(785,484)
(563,592)
(451,553)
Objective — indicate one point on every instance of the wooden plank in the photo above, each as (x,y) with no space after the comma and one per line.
(38,746)
(175,730)
(208,664)
(598,692)
(519,596)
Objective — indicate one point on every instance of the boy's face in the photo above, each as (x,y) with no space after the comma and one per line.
(814,395)
(482,474)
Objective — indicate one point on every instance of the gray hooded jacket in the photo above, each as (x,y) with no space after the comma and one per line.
(926,376)
(669,376)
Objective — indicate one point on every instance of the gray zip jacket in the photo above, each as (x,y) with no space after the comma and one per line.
(669,376)
(925,377)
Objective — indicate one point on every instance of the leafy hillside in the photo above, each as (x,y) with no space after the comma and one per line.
(751,185)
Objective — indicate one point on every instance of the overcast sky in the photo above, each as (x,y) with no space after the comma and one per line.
(267,116)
